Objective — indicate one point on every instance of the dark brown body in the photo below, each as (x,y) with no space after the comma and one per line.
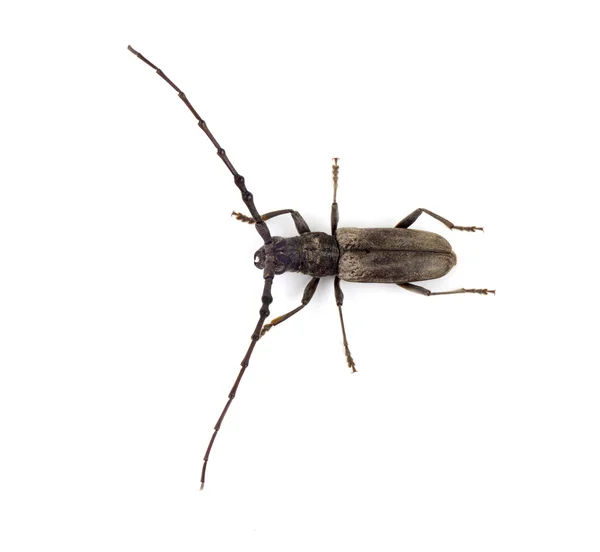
(387,255)
(368,255)
(392,255)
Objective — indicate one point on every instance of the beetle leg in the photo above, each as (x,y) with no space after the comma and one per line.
(410,219)
(300,223)
(339,299)
(424,291)
(309,291)
(335,215)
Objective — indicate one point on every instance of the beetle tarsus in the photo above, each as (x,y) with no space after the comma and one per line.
(265,329)
(478,291)
(242,217)
(350,361)
(467,228)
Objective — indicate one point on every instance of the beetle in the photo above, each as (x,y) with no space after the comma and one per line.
(398,255)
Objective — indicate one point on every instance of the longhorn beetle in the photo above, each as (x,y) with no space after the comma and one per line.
(370,255)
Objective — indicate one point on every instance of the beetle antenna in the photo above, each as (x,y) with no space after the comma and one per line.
(261,227)
(239,180)
(267,299)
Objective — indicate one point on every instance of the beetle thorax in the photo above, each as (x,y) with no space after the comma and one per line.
(312,253)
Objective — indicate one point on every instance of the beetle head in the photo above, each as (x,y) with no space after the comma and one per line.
(281,260)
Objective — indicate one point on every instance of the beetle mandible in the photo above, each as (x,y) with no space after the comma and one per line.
(371,255)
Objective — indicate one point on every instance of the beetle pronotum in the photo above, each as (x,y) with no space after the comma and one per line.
(370,255)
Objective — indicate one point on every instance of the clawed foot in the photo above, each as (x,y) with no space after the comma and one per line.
(350,361)
(467,228)
(242,217)
(481,291)
(265,329)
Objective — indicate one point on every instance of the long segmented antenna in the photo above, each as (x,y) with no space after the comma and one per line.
(237,178)
(261,227)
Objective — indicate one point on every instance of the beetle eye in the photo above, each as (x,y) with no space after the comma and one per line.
(259,259)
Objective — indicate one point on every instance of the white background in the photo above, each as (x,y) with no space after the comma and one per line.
(128,293)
